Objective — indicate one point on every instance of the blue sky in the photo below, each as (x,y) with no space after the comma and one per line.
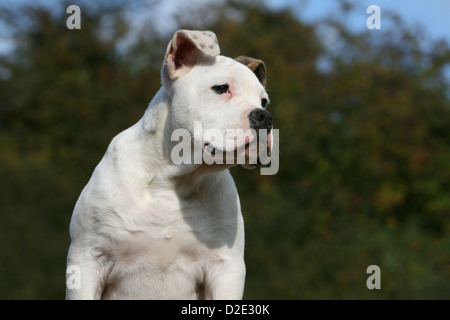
(432,16)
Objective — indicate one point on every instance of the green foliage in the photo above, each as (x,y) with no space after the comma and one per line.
(364,147)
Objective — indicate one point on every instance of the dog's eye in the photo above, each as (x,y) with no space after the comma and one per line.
(221,88)
(264,102)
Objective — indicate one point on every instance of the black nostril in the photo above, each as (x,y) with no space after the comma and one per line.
(256,115)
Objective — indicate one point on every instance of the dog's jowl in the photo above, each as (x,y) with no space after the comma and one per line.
(146,227)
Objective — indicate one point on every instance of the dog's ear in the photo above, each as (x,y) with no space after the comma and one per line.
(257,66)
(187,48)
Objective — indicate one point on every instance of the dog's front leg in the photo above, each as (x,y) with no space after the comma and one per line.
(226,281)
(84,275)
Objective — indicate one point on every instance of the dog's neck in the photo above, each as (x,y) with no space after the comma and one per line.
(157,128)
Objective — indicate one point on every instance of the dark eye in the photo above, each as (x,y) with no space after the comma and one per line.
(264,102)
(221,88)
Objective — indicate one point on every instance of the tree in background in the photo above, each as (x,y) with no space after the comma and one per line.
(364,146)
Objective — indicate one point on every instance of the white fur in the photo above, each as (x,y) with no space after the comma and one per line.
(145,228)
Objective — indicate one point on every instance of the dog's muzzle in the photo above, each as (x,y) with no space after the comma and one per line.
(261,122)
(260,119)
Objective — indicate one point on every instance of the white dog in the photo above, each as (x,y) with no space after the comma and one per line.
(147,228)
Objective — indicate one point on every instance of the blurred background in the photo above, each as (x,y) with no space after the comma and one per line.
(363,116)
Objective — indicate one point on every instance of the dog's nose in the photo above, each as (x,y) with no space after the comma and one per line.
(260,119)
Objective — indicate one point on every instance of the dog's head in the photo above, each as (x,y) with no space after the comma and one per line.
(225,98)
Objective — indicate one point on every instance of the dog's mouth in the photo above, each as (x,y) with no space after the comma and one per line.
(213,150)
(248,155)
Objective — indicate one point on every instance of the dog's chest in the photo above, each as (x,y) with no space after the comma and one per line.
(165,216)
(165,230)
(166,242)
